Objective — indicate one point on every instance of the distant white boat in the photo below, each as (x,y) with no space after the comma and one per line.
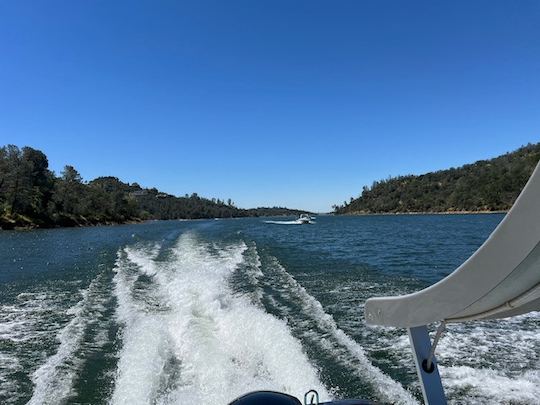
(305,219)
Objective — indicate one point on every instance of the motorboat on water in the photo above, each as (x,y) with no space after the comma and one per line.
(305,219)
(500,280)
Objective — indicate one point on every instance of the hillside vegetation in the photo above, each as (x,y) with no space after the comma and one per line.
(486,185)
(33,196)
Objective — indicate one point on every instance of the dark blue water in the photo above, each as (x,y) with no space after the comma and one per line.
(203,311)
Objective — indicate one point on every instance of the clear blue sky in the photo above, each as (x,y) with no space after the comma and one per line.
(296,103)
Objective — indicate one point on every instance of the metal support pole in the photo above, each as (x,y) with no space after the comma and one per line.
(438,335)
(430,380)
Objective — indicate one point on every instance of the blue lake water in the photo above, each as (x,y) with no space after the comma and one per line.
(200,312)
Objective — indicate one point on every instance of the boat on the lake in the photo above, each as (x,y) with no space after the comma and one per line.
(305,219)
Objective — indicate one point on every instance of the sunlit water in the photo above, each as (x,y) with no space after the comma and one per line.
(200,312)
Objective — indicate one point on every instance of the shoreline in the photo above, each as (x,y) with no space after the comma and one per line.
(359,214)
(33,226)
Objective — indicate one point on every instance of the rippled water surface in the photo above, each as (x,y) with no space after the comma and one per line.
(200,312)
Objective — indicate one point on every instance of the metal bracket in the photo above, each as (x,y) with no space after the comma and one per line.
(428,374)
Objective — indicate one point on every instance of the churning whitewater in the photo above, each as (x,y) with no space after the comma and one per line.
(187,338)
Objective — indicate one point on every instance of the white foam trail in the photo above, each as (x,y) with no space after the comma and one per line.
(53,380)
(386,388)
(480,362)
(225,346)
(144,258)
(295,222)
(482,386)
(11,329)
(22,324)
(8,387)
(500,351)
(141,357)
(254,273)
(23,321)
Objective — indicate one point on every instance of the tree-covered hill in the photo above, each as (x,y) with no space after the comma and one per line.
(33,196)
(486,185)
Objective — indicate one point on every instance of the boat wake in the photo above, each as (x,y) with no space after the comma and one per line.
(188,338)
(54,379)
(484,362)
(295,222)
(320,329)
(194,321)
(49,332)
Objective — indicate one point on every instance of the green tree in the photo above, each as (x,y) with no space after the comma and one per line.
(39,178)
(69,192)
